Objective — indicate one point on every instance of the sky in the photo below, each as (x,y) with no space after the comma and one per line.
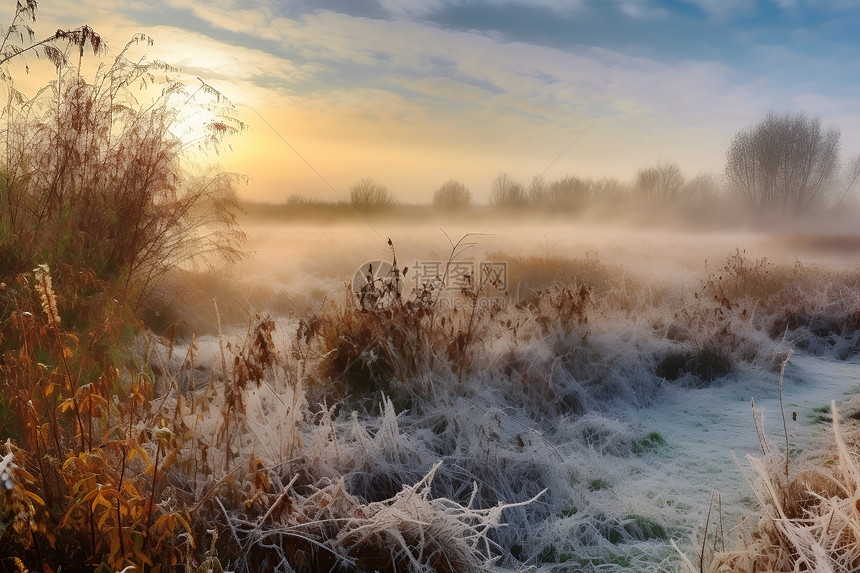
(416,92)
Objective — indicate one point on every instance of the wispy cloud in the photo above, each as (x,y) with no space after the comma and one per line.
(642,10)
(726,9)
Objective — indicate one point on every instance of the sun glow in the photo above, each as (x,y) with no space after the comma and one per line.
(191,126)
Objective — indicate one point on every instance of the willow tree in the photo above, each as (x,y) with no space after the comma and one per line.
(784,162)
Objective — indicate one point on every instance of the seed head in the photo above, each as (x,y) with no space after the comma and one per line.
(46,293)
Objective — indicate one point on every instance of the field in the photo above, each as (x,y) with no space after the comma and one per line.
(577,412)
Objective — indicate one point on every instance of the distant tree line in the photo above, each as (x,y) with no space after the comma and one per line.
(785,162)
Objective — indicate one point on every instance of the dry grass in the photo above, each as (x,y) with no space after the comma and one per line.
(276,443)
(95,180)
(328,529)
(808,521)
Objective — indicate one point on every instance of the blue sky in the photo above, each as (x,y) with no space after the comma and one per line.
(415,92)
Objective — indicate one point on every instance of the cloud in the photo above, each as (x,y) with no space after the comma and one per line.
(417,8)
(641,10)
(359,8)
(227,14)
(326,53)
(726,9)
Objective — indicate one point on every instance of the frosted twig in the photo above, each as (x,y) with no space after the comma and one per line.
(277,501)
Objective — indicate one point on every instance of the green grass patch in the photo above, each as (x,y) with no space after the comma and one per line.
(821,415)
(569,511)
(648,442)
(598,485)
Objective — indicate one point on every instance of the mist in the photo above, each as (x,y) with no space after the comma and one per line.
(311,253)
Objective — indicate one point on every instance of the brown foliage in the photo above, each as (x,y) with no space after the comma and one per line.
(92,179)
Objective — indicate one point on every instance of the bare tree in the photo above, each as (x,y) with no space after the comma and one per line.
(567,193)
(851,176)
(370,194)
(538,192)
(784,162)
(506,191)
(705,185)
(663,182)
(452,195)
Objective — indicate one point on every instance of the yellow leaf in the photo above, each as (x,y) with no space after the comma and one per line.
(24,476)
(138,452)
(66,516)
(169,524)
(67,353)
(34,497)
(100,500)
(114,546)
(169,460)
(105,515)
(130,490)
(70,461)
(184,523)
(82,485)
(111,492)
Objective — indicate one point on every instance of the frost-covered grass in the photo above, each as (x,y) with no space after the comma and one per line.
(418,437)
(517,401)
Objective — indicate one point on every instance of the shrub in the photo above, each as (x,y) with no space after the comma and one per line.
(96,193)
(89,453)
(452,195)
(537,192)
(505,192)
(707,363)
(567,193)
(704,186)
(93,180)
(663,182)
(570,192)
(382,340)
(805,522)
(369,194)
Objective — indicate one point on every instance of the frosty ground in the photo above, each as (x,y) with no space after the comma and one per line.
(607,401)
